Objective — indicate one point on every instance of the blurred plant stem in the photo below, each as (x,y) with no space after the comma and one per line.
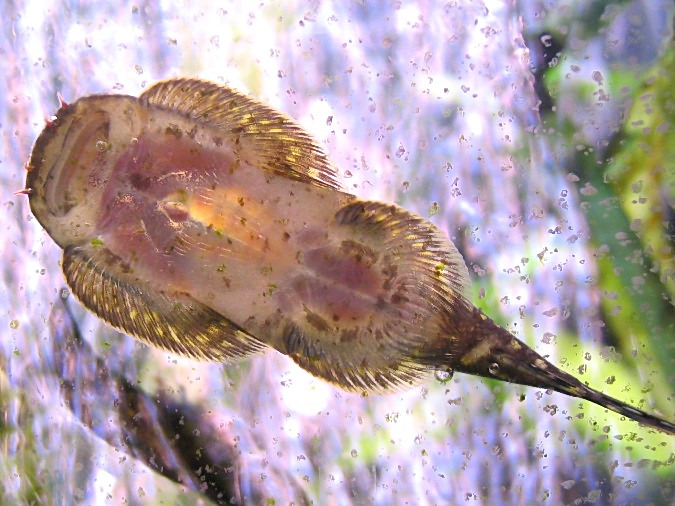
(626,194)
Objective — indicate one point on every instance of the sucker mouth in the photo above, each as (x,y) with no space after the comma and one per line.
(63,158)
(86,146)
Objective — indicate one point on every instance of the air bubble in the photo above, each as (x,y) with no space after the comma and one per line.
(494,368)
(444,375)
(101,146)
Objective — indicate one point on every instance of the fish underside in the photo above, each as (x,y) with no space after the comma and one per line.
(207,224)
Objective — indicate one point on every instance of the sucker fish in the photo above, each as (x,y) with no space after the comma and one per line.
(206,223)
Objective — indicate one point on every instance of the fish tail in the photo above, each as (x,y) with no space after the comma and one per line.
(543,374)
(501,356)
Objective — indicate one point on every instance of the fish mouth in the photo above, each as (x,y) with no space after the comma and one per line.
(63,157)
(70,166)
(85,146)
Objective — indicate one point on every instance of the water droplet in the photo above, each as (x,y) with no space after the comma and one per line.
(133,141)
(494,368)
(14,324)
(567,484)
(443,375)
(354,453)
(101,146)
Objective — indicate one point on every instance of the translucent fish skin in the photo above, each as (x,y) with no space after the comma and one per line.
(154,201)
(208,224)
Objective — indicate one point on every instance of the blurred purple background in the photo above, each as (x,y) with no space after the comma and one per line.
(436,106)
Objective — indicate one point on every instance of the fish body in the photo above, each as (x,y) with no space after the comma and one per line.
(206,223)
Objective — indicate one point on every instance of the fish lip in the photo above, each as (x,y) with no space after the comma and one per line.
(38,171)
(49,172)
(51,130)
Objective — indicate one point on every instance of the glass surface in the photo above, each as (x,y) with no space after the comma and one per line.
(538,135)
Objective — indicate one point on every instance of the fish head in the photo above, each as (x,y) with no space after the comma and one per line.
(73,159)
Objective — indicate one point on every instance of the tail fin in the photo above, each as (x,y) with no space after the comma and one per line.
(500,355)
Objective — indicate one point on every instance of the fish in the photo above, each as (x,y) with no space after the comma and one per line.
(205,223)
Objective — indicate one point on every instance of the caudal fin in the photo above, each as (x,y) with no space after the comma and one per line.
(498,354)
(543,374)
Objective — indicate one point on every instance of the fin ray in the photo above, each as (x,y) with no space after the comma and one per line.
(398,343)
(270,138)
(423,245)
(178,323)
(365,377)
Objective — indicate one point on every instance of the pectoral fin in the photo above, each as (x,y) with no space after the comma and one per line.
(264,137)
(175,322)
